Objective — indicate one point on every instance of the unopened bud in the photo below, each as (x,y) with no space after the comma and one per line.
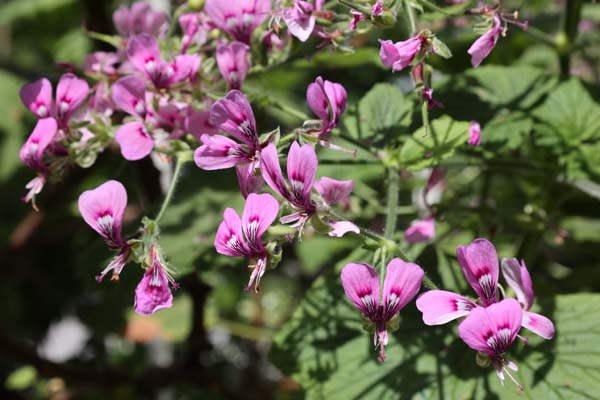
(274,251)
(417,73)
(483,360)
(385,20)
(196,5)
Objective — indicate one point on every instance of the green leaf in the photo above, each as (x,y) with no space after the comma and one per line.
(569,113)
(425,150)
(12,135)
(441,49)
(383,109)
(507,130)
(324,348)
(21,378)
(13,10)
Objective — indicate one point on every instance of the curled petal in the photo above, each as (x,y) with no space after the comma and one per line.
(518,278)
(153,292)
(33,150)
(361,285)
(234,116)
(299,19)
(440,306)
(271,170)
(538,324)
(401,285)
(301,170)
(483,46)
(134,140)
(479,263)
(249,182)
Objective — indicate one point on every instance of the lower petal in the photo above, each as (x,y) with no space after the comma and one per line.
(342,227)
(135,142)
(538,324)
(440,306)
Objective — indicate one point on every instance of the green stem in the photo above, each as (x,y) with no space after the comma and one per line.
(571,20)
(163,208)
(287,138)
(540,36)
(410,16)
(429,283)
(392,203)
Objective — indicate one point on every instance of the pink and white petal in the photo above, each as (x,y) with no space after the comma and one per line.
(340,228)
(440,306)
(300,24)
(518,278)
(248,180)
(129,95)
(153,292)
(37,97)
(260,211)
(103,208)
(134,140)
(32,151)
(219,152)
(479,263)
(71,92)
(234,116)
(229,240)
(271,170)
(420,230)
(301,169)
(401,285)
(361,285)
(538,324)
(332,190)
(317,99)
(144,54)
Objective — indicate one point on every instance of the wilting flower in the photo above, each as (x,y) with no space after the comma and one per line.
(474,133)
(32,153)
(144,55)
(102,209)
(140,18)
(71,93)
(300,19)
(491,331)
(153,293)
(361,284)
(518,278)
(327,100)
(301,170)
(232,59)
(399,55)
(238,18)
(243,237)
(420,230)
(483,46)
(427,94)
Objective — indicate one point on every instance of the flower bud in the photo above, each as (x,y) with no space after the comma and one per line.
(196,4)
(385,20)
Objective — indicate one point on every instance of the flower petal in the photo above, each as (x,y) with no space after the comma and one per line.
(144,55)
(479,263)
(340,228)
(229,240)
(37,97)
(420,230)
(361,285)
(232,60)
(538,324)
(234,116)
(153,292)
(301,170)
(260,211)
(249,182)
(271,171)
(33,150)
(484,45)
(134,140)
(129,95)
(440,306)
(71,92)
(517,277)
(401,285)
(219,152)
(333,191)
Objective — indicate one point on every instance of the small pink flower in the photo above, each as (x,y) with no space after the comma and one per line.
(428,97)
(376,11)
(300,19)
(101,62)
(399,55)
(474,133)
(238,18)
(233,62)
(153,293)
(401,285)
(492,331)
(483,46)
(479,263)
(243,237)
(102,209)
(129,95)
(140,18)
(420,230)
(194,30)
(327,100)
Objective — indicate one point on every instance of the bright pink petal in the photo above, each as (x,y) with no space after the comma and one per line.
(388,53)
(37,97)
(153,292)
(337,97)
(233,62)
(518,278)
(134,140)
(333,191)
(129,95)
(361,285)
(402,283)
(483,46)
(229,240)
(479,263)
(144,55)
(219,152)
(259,213)
(474,133)
(271,170)
(538,324)
(71,92)
(234,116)
(301,170)
(103,208)
(317,99)
(440,306)
(33,150)
(420,230)
(186,67)
(493,329)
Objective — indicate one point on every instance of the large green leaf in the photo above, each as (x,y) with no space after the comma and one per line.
(426,149)
(569,114)
(383,109)
(324,348)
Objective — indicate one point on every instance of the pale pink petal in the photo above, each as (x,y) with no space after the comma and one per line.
(229,240)
(440,306)
(420,230)
(219,152)
(479,263)
(483,46)
(333,191)
(248,180)
(301,170)
(238,18)
(186,67)
(299,19)
(134,140)
(259,213)
(518,278)
(233,62)
(197,123)
(33,150)
(340,228)
(37,97)
(361,285)
(144,55)
(121,20)
(100,62)
(71,92)
(129,95)
(103,208)
(401,285)
(538,324)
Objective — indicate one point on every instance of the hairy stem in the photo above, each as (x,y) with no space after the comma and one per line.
(392,203)
(163,208)
(571,19)
(410,16)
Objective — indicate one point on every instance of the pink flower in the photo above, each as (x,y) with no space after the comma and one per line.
(32,153)
(238,18)
(420,230)
(140,18)
(474,133)
(71,93)
(361,285)
(243,237)
(233,63)
(194,30)
(135,140)
(399,55)
(518,278)
(198,123)
(101,62)
(492,331)
(144,55)
(327,100)
(300,19)
(376,11)
(483,46)
(129,95)
(153,292)
(102,209)
(428,97)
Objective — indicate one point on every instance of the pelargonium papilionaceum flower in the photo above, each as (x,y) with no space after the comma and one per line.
(300,18)
(238,18)
(233,62)
(140,18)
(243,237)
(399,55)
(153,293)
(301,172)
(484,45)
(401,285)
